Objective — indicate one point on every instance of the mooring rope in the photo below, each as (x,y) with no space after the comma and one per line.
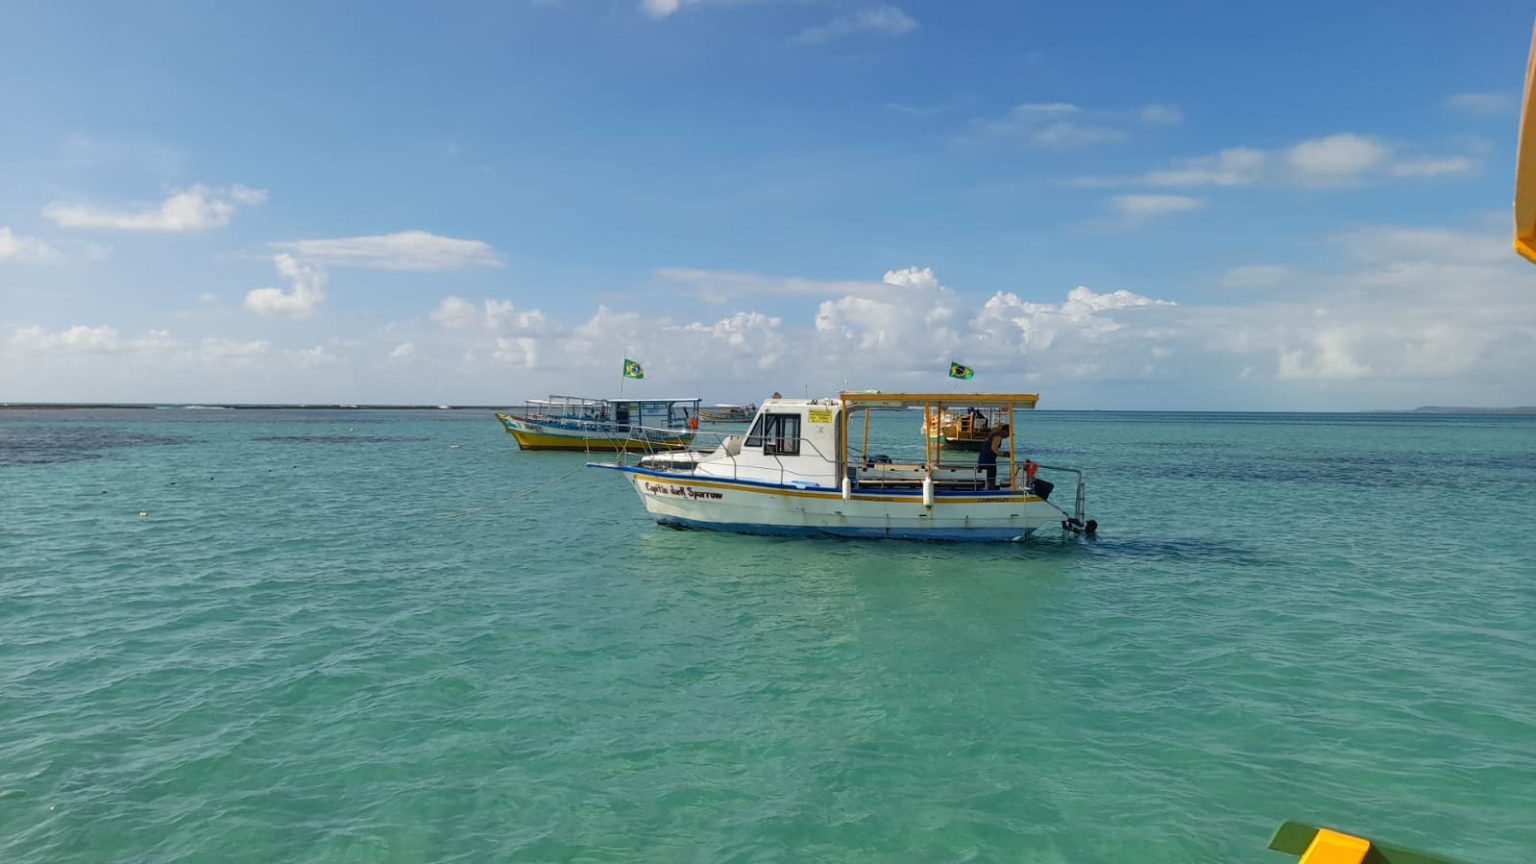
(519,496)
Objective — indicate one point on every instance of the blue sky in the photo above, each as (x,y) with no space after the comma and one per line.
(1129,205)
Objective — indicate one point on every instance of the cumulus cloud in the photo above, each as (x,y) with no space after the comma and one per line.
(1234,166)
(1251,276)
(1142,206)
(1336,159)
(719,286)
(881,20)
(898,330)
(84,339)
(81,338)
(1049,125)
(456,313)
(1157,114)
(404,250)
(1332,160)
(1433,167)
(1367,322)
(306,291)
(1497,102)
(663,8)
(19,247)
(197,208)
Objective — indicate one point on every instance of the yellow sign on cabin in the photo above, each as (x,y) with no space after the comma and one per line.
(821,415)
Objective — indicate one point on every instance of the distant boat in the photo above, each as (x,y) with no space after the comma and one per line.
(580,423)
(805,469)
(963,430)
(724,413)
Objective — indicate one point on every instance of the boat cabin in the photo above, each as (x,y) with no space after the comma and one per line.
(619,414)
(821,443)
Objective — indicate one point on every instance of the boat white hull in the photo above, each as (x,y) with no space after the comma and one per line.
(686,501)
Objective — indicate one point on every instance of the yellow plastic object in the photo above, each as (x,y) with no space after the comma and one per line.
(1331,847)
(1525,167)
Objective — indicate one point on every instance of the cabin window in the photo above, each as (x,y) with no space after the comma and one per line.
(776,434)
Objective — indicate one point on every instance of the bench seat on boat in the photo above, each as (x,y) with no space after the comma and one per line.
(891,476)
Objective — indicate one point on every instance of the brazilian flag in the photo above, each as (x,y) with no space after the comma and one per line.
(632,369)
(964,373)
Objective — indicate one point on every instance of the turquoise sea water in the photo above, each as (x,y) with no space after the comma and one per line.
(292,657)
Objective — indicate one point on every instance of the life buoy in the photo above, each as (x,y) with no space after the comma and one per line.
(693,422)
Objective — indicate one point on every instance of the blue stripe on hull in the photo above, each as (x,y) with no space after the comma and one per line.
(974,535)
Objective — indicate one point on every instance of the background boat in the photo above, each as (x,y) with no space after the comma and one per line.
(584,424)
(723,413)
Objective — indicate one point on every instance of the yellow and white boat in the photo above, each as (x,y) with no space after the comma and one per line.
(965,429)
(583,424)
(805,468)
(726,413)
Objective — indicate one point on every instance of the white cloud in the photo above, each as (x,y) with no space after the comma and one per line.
(231,352)
(1234,166)
(80,338)
(1398,245)
(898,330)
(1046,108)
(663,8)
(1379,317)
(404,250)
(1065,135)
(1088,335)
(1253,276)
(306,291)
(315,358)
(1154,205)
(750,334)
(197,208)
(1484,103)
(83,339)
(497,316)
(1044,124)
(18,247)
(718,286)
(1327,355)
(1157,114)
(1336,159)
(1332,160)
(1432,167)
(246,195)
(874,20)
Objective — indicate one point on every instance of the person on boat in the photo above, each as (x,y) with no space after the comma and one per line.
(993,448)
(777,395)
(977,421)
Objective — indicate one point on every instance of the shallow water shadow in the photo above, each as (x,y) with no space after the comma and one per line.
(53,445)
(334,439)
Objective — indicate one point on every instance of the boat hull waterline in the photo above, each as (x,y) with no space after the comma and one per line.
(533,435)
(746,507)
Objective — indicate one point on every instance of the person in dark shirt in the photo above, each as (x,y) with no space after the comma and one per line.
(990,450)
